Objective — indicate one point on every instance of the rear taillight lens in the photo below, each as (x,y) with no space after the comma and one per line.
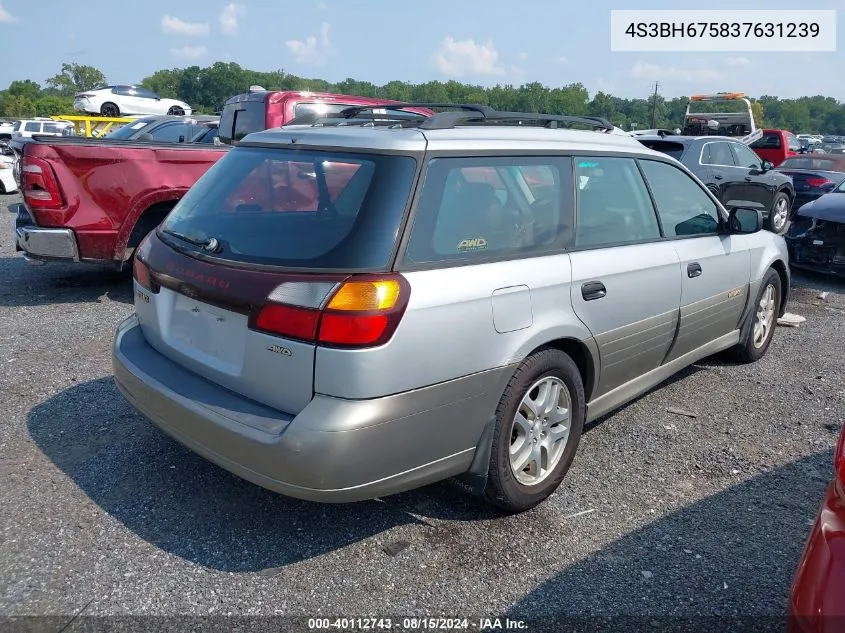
(141,274)
(817,183)
(839,458)
(39,184)
(362,311)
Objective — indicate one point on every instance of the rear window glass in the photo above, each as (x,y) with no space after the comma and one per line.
(297,209)
(813,163)
(768,141)
(240,119)
(675,150)
(479,208)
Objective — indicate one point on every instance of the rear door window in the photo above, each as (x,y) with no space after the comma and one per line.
(717,154)
(171,133)
(298,209)
(472,209)
(613,203)
(32,127)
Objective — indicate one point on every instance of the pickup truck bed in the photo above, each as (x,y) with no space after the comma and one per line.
(94,200)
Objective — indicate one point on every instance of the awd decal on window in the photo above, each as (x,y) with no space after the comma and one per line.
(475,244)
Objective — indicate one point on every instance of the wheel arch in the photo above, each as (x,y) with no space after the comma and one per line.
(139,223)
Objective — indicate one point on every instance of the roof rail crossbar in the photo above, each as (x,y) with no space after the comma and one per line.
(448,120)
(353,111)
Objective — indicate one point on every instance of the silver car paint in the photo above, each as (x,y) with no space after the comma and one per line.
(341,425)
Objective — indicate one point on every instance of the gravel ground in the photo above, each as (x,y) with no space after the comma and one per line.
(661,514)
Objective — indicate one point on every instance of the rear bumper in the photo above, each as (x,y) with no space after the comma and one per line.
(817,598)
(43,243)
(334,450)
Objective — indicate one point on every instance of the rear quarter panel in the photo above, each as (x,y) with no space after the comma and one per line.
(107,186)
(460,321)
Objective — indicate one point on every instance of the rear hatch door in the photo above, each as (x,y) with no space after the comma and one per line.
(263,227)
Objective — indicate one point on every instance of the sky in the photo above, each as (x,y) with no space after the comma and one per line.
(555,42)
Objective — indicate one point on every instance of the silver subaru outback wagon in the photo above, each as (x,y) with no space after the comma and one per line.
(339,313)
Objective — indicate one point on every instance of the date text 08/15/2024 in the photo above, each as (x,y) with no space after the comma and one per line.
(416,624)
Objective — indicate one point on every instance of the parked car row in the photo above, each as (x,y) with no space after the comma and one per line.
(283,279)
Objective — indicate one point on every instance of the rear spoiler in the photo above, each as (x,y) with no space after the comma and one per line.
(755,135)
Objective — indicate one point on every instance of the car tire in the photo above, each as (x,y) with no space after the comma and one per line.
(764,316)
(548,377)
(778,218)
(176,111)
(110,109)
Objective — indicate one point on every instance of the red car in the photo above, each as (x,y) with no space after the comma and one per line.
(817,599)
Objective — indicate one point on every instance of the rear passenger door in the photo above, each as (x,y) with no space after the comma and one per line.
(625,282)
(714,267)
(721,173)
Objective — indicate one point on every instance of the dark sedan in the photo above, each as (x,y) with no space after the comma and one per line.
(163,128)
(733,172)
(813,175)
(816,238)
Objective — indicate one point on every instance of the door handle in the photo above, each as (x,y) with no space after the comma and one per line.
(748,179)
(593,290)
(718,177)
(693,270)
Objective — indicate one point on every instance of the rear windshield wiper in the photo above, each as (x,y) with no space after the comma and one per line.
(192,240)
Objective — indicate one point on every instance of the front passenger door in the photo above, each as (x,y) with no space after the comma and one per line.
(715,267)
(625,282)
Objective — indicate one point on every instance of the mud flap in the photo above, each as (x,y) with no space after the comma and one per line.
(474,481)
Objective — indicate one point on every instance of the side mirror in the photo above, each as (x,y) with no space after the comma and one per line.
(768,165)
(743,220)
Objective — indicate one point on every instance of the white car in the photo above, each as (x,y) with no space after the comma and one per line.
(7,170)
(114,101)
(41,126)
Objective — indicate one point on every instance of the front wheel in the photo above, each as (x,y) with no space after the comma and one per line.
(779,214)
(764,320)
(539,422)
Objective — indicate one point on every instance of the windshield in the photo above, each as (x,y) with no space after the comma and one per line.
(297,209)
(130,130)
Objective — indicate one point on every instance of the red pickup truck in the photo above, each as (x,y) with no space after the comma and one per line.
(776,146)
(94,200)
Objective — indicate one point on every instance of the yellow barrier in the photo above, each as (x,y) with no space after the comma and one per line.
(88,125)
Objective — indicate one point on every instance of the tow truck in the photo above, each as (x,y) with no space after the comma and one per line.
(738,123)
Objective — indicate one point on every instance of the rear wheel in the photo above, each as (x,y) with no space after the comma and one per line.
(176,110)
(764,320)
(109,109)
(539,422)
(779,214)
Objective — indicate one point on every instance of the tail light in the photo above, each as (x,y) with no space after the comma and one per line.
(818,183)
(839,458)
(361,311)
(140,270)
(84,95)
(39,184)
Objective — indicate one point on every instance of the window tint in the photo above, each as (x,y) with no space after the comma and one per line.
(683,206)
(240,119)
(170,133)
(613,203)
(50,128)
(476,208)
(146,94)
(32,127)
(675,150)
(744,156)
(301,209)
(717,154)
(123,91)
(767,141)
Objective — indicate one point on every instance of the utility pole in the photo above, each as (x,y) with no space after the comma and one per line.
(654,105)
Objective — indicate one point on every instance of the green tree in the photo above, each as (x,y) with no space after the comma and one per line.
(18,106)
(52,105)
(76,78)
(24,88)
